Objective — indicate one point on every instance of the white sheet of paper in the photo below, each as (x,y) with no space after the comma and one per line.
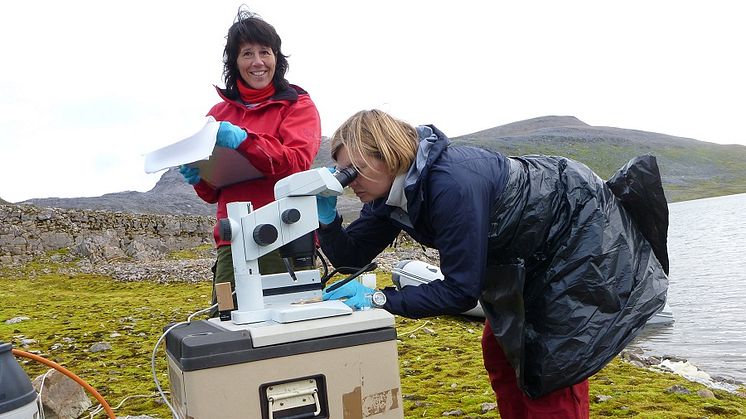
(219,166)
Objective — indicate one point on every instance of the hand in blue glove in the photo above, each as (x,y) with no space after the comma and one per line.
(229,135)
(355,293)
(191,174)
(327,206)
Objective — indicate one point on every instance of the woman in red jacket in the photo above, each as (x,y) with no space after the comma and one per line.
(273,124)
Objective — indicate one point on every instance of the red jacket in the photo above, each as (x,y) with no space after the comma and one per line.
(284,135)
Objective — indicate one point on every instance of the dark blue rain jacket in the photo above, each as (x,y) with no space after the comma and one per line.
(565,276)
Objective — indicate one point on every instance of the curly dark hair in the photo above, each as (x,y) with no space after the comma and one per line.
(250,28)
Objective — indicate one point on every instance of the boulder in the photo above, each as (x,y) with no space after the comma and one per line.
(61,396)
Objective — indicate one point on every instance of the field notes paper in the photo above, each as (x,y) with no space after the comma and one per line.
(218,166)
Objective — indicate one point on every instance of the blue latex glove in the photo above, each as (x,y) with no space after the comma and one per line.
(327,207)
(355,293)
(191,174)
(229,135)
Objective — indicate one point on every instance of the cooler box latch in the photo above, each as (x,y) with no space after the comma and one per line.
(298,398)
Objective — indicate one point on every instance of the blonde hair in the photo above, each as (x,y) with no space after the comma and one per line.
(376,133)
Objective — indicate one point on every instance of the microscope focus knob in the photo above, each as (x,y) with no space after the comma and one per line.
(265,234)
(224,229)
(290,216)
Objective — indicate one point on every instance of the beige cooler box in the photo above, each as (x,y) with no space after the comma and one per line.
(342,367)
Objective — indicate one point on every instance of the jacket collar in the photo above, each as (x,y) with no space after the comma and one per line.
(397,197)
(431,146)
(290,94)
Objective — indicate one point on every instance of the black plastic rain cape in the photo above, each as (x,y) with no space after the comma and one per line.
(580,266)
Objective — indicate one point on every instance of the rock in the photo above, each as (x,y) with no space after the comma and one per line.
(15,320)
(600,398)
(101,248)
(673,358)
(457,412)
(706,394)
(142,252)
(62,397)
(28,232)
(27,342)
(100,347)
(677,389)
(486,407)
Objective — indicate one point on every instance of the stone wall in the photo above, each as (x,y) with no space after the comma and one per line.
(28,231)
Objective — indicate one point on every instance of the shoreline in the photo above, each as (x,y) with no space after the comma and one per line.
(673,364)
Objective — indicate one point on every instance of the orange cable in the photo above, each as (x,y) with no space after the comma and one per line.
(60,368)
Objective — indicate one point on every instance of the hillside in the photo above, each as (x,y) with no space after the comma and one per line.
(690,168)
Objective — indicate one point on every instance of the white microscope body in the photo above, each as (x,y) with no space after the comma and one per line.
(254,233)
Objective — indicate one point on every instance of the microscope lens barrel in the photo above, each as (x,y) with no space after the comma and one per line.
(346,175)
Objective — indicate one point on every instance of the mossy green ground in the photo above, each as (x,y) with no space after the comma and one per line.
(440,358)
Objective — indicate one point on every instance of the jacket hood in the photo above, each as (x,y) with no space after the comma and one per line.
(432,144)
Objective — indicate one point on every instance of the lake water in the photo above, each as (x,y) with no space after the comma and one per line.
(707,289)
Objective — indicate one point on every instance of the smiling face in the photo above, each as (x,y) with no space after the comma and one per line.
(373,181)
(256,64)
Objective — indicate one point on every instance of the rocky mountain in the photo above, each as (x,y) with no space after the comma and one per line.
(690,168)
(170,195)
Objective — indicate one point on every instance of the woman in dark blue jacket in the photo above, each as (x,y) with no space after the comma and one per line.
(564,275)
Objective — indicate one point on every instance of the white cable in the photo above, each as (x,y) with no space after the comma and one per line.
(204,310)
(40,407)
(155,351)
(417,328)
(38,397)
(155,376)
(100,408)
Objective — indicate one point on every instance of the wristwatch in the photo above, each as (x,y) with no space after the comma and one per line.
(378,299)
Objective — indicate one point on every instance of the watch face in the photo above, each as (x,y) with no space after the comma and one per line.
(379,298)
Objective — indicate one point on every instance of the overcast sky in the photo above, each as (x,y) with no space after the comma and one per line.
(88,87)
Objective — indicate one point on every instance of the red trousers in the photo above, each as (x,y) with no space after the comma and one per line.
(565,403)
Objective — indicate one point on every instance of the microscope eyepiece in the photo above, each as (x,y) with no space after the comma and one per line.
(346,175)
